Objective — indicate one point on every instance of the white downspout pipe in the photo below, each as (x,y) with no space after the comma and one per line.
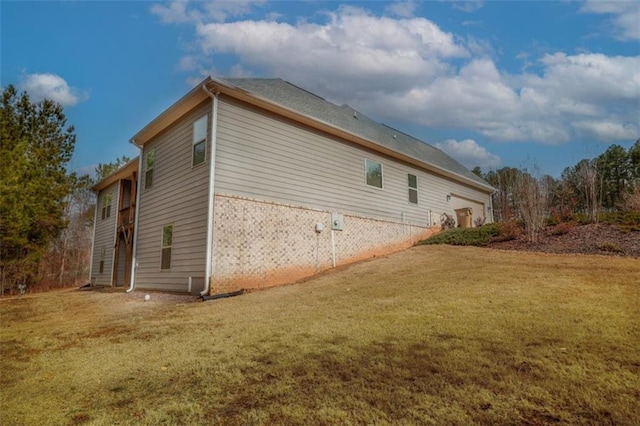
(212,173)
(135,221)
(491,205)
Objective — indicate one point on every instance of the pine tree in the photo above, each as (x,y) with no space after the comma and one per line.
(35,148)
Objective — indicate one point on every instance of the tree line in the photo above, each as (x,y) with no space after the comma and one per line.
(606,183)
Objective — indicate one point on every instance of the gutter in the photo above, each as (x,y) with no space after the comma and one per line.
(134,261)
(212,171)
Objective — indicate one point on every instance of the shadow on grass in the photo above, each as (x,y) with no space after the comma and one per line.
(426,382)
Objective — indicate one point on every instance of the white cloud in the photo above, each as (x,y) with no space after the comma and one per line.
(217,10)
(174,13)
(470,154)
(408,69)
(349,51)
(529,107)
(403,9)
(51,86)
(591,77)
(625,16)
(467,6)
(222,9)
(609,130)
(187,63)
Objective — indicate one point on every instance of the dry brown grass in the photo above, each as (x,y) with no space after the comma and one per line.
(432,335)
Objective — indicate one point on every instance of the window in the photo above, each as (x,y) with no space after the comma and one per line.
(374,173)
(102,253)
(106,206)
(199,141)
(413,189)
(150,163)
(167,241)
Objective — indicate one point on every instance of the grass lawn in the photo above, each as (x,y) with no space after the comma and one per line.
(433,335)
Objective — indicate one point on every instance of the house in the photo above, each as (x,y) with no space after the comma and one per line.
(248,183)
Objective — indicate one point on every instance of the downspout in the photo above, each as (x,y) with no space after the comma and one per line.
(491,204)
(212,174)
(93,241)
(135,221)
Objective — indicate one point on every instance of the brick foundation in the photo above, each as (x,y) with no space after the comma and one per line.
(261,244)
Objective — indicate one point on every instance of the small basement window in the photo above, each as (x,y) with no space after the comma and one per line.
(199,141)
(373,171)
(150,162)
(106,206)
(167,242)
(413,188)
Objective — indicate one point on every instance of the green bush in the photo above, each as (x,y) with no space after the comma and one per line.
(510,230)
(626,218)
(480,236)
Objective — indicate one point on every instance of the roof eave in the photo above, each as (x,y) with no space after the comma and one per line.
(123,172)
(171,114)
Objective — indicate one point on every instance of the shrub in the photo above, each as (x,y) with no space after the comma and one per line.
(610,247)
(561,229)
(582,219)
(480,236)
(507,231)
(625,218)
(553,220)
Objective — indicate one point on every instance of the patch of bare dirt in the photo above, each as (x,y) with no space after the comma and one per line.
(602,239)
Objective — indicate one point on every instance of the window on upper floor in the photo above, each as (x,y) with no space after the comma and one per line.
(413,188)
(106,205)
(373,171)
(167,242)
(199,141)
(150,162)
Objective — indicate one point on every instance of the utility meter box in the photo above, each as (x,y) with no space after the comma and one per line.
(337,222)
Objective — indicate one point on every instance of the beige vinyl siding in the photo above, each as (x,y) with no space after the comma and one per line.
(104,237)
(122,264)
(263,156)
(178,197)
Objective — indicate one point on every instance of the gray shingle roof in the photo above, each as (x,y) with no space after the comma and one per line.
(294,98)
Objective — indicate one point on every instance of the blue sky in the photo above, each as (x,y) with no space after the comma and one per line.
(493,83)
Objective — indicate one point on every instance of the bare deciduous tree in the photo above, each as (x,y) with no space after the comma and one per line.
(589,175)
(532,197)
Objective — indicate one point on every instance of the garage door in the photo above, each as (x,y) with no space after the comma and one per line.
(477,207)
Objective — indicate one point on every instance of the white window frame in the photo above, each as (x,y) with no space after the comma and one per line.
(366,170)
(107,199)
(163,247)
(148,169)
(199,140)
(410,188)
